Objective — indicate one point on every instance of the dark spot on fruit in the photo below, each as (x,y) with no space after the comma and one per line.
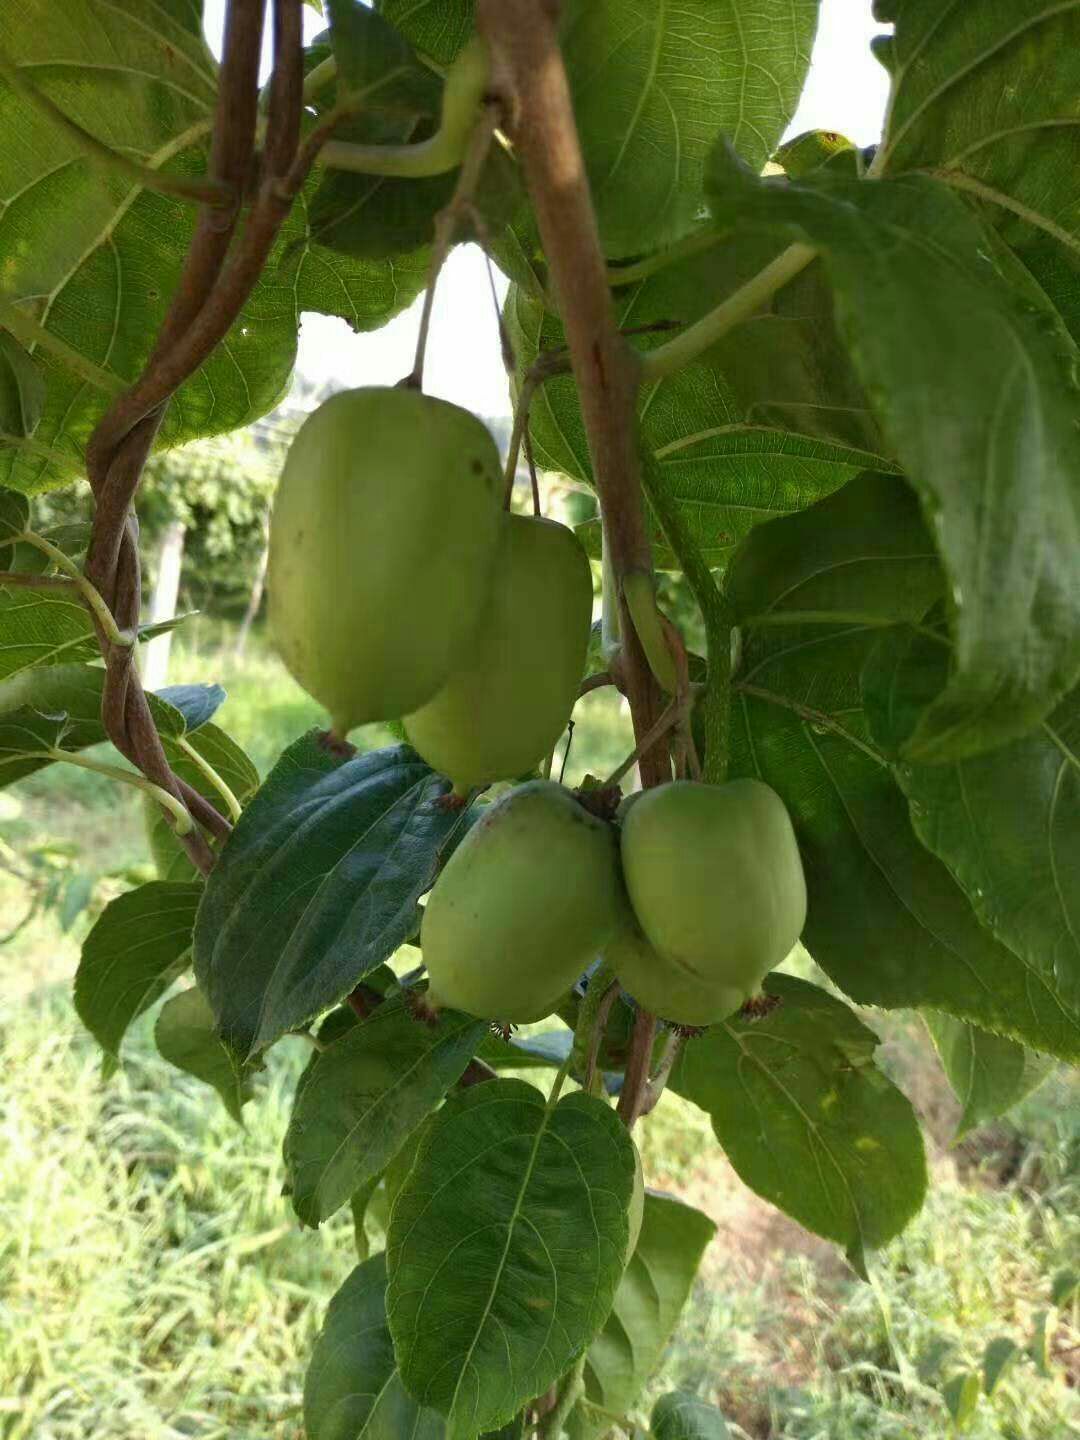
(478,467)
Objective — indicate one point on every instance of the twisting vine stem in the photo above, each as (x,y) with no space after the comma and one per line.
(221,268)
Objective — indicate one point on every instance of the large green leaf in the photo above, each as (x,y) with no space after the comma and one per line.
(353,1389)
(1007,824)
(886,920)
(653,83)
(137,948)
(184,1033)
(681,1416)
(769,420)
(94,259)
(317,885)
(973,377)
(506,1244)
(22,389)
(807,1119)
(988,1073)
(50,627)
(653,1290)
(362,1098)
(984,97)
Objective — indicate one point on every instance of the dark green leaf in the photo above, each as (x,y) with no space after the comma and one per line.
(137,948)
(961,1396)
(886,920)
(653,1290)
(22,391)
(376,67)
(353,1390)
(363,1097)
(184,1033)
(1007,824)
(973,377)
(528,1204)
(317,885)
(984,97)
(353,1387)
(997,1357)
(14,515)
(807,1119)
(682,1416)
(768,421)
(989,1074)
(359,1207)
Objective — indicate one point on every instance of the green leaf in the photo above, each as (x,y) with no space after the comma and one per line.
(358,1205)
(353,1387)
(1065,1287)
(989,1074)
(14,514)
(363,1097)
(984,97)
(49,627)
(807,1119)
(94,260)
(225,757)
(650,1298)
(525,1206)
(652,86)
(886,920)
(197,703)
(317,885)
(376,67)
(353,1390)
(22,391)
(973,377)
(184,1033)
(768,421)
(961,1396)
(682,1416)
(137,948)
(1007,824)
(997,1357)
(59,704)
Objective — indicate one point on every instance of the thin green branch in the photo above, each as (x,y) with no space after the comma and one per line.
(104,616)
(203,765)
(692,342)
(31,333)
(199,192)
(690,245)
(184,823)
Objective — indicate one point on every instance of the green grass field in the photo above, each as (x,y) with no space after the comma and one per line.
(155,1285)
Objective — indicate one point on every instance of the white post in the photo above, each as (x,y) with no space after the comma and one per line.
(155,666)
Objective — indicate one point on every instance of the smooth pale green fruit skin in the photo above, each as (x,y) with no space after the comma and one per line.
(382,543)
(716,884)
(526,902)
(667,987)
(504,709)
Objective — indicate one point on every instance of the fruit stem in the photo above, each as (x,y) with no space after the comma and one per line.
(692,342)
(464,93)
(587,1031)
(636,1074)
(573,1387)
(639,592)
(446,225)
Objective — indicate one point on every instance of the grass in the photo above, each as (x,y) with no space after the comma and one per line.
(154,1284)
